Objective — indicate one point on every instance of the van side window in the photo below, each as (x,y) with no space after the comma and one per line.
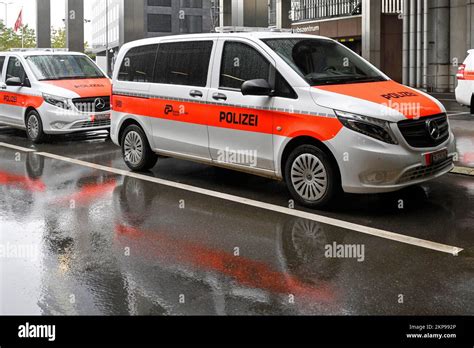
(183,63)
(240,63)
(15,69)
(2,63)
(137,65)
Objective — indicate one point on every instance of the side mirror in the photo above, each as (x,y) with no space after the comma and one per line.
(256,87)
(14,81)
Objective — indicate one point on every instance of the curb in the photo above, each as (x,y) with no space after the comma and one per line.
(463,171)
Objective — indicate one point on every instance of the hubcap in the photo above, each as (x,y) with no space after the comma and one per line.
(33,127)
(309,177)
(133,148)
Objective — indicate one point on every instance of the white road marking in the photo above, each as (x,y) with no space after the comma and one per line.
(262,205)
(19,148)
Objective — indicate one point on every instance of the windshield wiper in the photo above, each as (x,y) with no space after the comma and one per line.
(347,80)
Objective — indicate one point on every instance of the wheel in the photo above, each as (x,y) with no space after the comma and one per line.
(472,105)
(311,177)
(136,150)
(34,127)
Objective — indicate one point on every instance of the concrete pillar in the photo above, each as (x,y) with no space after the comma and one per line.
(459,31)
(439,60)
(470,23)
(371,30)
(75,25)
(406,41)
(225,13)
(43,23)
(283,8)
(237,13)
(412,48)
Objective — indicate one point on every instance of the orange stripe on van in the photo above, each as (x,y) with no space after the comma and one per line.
(20,100)
(262,121)
(409,102)
(85,88)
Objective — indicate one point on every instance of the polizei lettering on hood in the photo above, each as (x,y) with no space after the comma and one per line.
(239,119)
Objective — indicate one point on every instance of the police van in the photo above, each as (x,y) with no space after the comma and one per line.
(292,107)
(51,92)
(465,88)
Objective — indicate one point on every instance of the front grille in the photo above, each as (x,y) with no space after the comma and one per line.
(90,124)
(94,104)
(416,132)
(424,172)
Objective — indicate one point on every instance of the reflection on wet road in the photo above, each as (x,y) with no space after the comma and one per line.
(76,240)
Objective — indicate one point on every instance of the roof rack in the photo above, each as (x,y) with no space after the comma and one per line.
(39,50)
(236,29)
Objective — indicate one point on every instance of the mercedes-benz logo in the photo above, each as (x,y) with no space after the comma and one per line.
(99,104)
(433,129)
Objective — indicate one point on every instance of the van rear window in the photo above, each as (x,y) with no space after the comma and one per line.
(137,66)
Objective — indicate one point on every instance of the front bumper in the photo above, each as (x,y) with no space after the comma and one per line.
(60,121)
(371,166)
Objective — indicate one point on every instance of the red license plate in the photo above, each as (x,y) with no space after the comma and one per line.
(101,117)
(434,158)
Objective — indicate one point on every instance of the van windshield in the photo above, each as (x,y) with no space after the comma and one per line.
(324,62)
(63,67)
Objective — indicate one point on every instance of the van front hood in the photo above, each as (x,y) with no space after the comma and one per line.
(387,100)
(84,88)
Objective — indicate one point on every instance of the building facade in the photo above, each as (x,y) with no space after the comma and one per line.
(116,22)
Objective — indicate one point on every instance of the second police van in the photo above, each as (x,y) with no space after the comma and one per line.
(293,107)
(48,92)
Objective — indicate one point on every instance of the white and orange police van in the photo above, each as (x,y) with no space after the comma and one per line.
(51,92)
(293,107)
(465,88)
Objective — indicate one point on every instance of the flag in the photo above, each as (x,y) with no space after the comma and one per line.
(19,21)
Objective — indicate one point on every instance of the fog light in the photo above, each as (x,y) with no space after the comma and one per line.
(378,177)
(58,125)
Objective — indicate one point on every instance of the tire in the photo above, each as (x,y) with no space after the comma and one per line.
(311,177)
(34,127)
(136,150)
(472,105)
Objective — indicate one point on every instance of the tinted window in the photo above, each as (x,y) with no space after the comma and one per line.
(15,69)
(183,63)
(283,88)
(137,65)
(2,63)
(159,23)
(241,63)
(164,3)
(191,24)
(190,3)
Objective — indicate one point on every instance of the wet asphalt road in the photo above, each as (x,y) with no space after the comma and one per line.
(101,243)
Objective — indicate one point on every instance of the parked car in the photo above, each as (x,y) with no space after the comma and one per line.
(47,93)
(293,107)
(465,88)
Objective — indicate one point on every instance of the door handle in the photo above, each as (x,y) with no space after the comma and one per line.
(219,96)
(3,86)
(196,94)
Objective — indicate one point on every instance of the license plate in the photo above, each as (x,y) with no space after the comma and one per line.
(101,117)
(434,158)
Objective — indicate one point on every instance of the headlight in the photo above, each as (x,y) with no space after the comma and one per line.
(60,102)
(369,126)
